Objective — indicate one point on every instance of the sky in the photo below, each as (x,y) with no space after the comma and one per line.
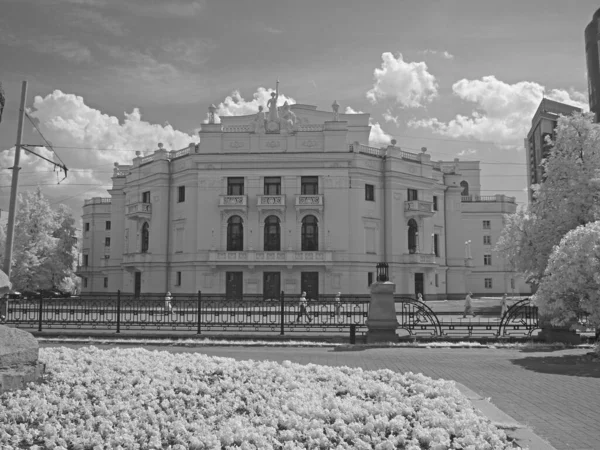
(107,78)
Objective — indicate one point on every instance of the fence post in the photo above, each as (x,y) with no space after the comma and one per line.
(198,315)
(353,334)
(40,313)
(282,315)
(119,311)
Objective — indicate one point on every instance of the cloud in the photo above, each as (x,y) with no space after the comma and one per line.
(503,111)
(174,8)
(467,152)
(86,18)
(99,141)
(190,51)
(444,54)
(273,30)
(236,105)
(409,84)
(65,48)
(377,137)
(388,117)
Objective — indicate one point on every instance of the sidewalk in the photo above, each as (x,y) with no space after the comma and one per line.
(551,393)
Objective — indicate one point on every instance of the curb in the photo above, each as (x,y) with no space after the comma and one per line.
(522,434)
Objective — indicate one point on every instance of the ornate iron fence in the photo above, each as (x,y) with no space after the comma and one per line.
(252,313)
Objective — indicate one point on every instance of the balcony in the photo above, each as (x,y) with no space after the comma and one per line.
(271,202)
(139,210)
(418,208)
(233,201)
(83,270)
(419,258)
(288,258)
(309,202)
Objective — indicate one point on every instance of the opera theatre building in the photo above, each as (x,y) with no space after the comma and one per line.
(294,200)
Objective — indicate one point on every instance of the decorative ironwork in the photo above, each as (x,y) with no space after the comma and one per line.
(523,315)
(417,316)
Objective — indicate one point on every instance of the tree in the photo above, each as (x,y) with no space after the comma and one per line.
(572,278)
(44,248)
(566,199)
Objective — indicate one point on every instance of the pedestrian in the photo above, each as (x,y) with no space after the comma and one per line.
(338,304)
(302,311)
(468,306)
(420,298)
(503,305)
(168,300)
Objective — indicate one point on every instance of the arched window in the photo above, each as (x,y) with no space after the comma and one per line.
(235,234)
(465,186)
(310,234)
(272,234)
(413,234)
(145,237)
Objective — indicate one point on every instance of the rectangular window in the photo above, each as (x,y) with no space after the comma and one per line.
(106,256)
(272,185)
(369,278)
(108,224)
(105,282)
(87,226)
(107,242)
(435,203)
(181,194)
(487,240)
(235,186)
(488,283)
(85,260)
(146,197)
(487,225)
(436,248)
(369,192)
(178,279)
(84,282)
(412,194)
(437,280)
(487,260)
(309,185)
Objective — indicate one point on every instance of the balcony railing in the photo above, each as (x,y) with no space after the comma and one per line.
(97,201)
(419,258)
(309,200)
(487,198)
(139,210)
(271,200)
(252,257)
(418,208)
(233,200)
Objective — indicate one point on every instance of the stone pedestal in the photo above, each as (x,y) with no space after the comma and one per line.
(381,322)
(18,359)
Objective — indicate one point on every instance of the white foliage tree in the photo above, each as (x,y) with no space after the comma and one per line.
(572,278)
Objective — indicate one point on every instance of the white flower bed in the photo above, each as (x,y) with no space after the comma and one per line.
(137,399)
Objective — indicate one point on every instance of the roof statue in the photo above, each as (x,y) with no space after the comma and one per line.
(288,119)
(336,109)
(273,119)
(259,123)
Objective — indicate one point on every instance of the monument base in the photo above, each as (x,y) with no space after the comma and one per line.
(17,378)
(381,320)
(381,335)
(19,364)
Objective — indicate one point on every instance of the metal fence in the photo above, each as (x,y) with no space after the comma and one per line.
(209,313)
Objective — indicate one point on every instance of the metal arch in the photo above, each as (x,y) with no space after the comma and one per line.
(414,310)
(522,310)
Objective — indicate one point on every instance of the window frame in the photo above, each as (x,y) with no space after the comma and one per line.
(106,282)
(107,241)
(369,192)
(235,243)
(487,259)
(85,260)
(488,283)
(370,276)
(487,239)
(235,185)
(145,238)
(436,245)
(435,202)
(487,224)
(309,182)
(178,278)
(272,182)
(108,225)
(309,237)
(146,197)
(86,226)
(272,241)
(181,194)
(412,194)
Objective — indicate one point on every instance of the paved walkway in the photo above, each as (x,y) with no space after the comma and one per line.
(551,392)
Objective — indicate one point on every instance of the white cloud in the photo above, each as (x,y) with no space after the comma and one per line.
(66,121)
(236,105)
(389,117)
(409,84)
(444,54)
(377,137)
(503,111)
(467,152)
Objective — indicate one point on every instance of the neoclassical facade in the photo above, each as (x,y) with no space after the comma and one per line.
(293,201)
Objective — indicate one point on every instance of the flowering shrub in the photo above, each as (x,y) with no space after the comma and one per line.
(137,399)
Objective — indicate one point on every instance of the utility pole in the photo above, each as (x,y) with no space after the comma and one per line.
(14,190)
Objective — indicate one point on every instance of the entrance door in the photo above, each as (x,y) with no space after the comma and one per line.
(234,282)
(419,284)
(309,283)
(137,284)
(271,285)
